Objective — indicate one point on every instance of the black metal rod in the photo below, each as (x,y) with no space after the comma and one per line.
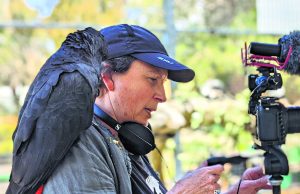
(276,190)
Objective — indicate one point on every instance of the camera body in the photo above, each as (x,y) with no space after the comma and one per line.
(270,114)
(271,122)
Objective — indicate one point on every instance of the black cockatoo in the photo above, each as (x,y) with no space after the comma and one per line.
(58,106)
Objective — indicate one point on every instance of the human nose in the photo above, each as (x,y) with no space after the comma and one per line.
(160,94)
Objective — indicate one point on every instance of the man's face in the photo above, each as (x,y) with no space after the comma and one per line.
(137,92)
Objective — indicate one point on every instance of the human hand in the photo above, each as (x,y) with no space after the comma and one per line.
(253,180)
(202,180)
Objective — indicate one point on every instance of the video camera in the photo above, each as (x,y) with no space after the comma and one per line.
(273,120)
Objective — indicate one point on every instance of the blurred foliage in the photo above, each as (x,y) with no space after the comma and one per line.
(227,11)
(7,126)
(103,12)
(215,126)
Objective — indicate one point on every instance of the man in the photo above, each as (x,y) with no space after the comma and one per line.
(109,157)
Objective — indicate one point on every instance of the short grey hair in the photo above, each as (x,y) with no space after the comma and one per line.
(117,65)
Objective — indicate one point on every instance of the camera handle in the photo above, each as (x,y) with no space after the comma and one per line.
(276,165)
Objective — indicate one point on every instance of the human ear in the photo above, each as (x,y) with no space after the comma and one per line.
(107,80)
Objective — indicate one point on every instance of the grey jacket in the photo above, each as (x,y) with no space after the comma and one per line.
(96,163)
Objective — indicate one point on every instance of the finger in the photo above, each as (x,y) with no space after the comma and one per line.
(217,176)
(258,183)
(253,173)
(263,180)
(213,178)
(267,187)
(215,169)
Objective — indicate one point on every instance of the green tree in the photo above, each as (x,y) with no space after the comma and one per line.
(18,61)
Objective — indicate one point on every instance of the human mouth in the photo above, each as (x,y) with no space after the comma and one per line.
(149,110)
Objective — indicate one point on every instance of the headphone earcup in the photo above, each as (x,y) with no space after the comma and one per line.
(131,133)
(135,137)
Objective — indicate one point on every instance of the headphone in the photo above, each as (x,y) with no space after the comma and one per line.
(136,138)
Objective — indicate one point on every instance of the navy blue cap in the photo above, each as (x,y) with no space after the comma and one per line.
(140,43)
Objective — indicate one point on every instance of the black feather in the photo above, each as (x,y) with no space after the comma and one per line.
(57,107)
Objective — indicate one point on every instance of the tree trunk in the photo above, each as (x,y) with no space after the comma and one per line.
(16,98)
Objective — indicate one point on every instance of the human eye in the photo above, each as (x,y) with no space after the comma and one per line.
(152,79)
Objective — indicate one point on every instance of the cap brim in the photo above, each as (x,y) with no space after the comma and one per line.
(176,71)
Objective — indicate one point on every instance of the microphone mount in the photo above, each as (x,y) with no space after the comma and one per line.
(258,60)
